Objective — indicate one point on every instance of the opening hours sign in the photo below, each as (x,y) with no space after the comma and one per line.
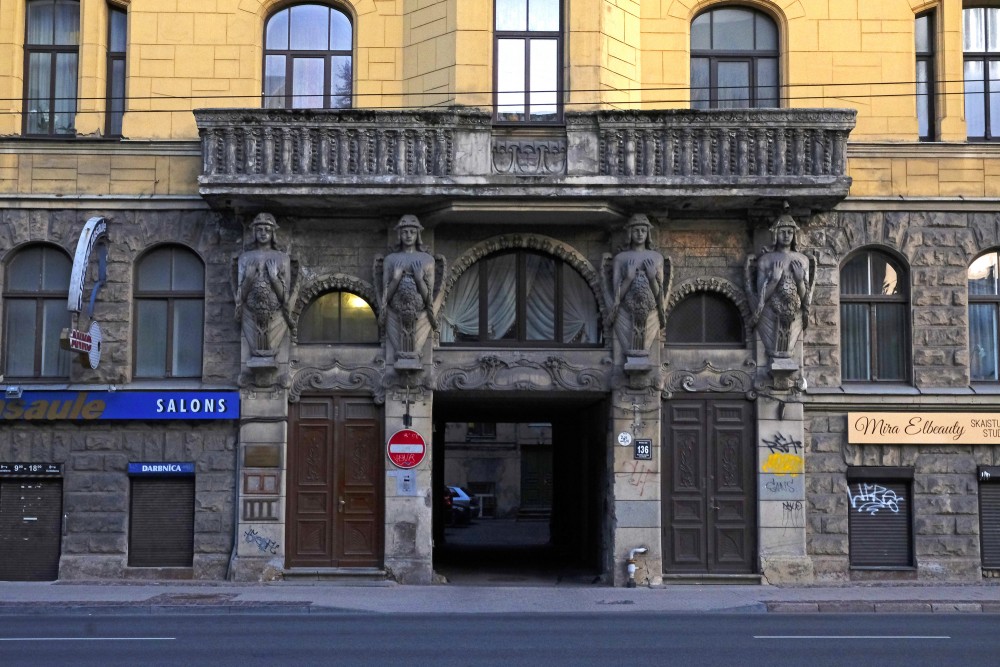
(406,448)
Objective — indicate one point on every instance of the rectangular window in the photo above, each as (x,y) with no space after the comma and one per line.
(117,41)
(880,517)
(925,48)
(528,61)
(161,522)
(981,50)
(51,50)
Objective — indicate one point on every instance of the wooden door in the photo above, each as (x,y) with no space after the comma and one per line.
(709,493)
(335,465)
(536,478)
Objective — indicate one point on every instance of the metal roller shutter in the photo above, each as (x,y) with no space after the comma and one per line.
(30,529)
(879,523)
(989,520)
(161,523)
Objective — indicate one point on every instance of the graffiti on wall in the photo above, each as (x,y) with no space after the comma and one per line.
(264,544)
(872,498)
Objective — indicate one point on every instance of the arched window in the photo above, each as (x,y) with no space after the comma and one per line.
(35,313)
(169,313)
(984,317)
(307,59)
(734,59)
(338,317)
(705,319)
(521,297)
(51,55)
(874,318)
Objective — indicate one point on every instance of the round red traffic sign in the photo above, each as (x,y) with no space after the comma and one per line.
(406,448)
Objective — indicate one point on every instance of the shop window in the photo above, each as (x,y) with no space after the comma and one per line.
(925,45)
(880,517)
(307,58)
(981,46)
(734,59)
(51,55)
(984,318)
(338,317)
(989,516)
(521,298)
(115,99)
(705,319)
(35,314)
(161,522)
(527,61)
(169,314)
(874,319)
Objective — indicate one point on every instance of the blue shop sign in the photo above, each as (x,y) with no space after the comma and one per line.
(162,468)
(103,405)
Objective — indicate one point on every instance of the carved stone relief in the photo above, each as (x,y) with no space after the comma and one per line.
(501,373)
(708,378)
(368,378)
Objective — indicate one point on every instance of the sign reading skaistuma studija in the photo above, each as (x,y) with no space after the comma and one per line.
(923,428)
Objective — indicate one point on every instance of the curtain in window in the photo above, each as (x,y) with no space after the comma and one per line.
(540,307)
(983,341)
(460,314)
(580,317)
(501,296)
(854,341)
(890,323)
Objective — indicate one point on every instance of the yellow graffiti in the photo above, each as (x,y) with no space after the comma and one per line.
(784,463)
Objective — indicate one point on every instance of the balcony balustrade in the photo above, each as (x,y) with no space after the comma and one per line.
(654,160)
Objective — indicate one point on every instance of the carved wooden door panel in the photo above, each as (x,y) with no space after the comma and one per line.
(709,493)
(334,484)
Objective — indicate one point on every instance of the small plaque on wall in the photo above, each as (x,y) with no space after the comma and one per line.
(262,456)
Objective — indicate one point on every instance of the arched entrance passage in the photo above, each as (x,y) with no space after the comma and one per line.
(538,464)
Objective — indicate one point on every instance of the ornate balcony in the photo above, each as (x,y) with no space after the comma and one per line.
(455,162)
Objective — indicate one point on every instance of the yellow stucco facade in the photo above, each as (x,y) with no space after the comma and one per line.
(189,54)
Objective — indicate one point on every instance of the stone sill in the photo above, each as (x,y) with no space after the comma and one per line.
(903,397)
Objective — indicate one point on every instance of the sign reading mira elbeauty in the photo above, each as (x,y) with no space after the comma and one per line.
(100,405)
(923,428)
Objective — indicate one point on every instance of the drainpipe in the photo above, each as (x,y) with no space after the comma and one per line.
(630,565)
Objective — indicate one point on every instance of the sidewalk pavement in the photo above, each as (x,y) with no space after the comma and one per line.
(389,598)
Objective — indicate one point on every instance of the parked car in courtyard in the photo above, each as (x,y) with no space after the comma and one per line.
(460,505)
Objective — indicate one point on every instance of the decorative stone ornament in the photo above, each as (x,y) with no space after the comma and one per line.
(779,284)
(408,281)
(638,290)
(263,291)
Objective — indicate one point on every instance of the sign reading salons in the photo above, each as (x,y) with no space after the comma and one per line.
(923,428)
(102,405)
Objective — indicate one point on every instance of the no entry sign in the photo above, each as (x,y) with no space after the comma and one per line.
(406,448)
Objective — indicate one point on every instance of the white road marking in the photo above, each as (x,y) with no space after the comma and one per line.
(85,639)
(851,637)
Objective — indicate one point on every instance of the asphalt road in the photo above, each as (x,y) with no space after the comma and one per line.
(771,640)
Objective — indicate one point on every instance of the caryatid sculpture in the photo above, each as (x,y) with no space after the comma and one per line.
(639,287)
(262,289)
(780,290)
(409,280)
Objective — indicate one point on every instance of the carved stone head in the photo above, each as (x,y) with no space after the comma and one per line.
(642,221)
(783,222)
(410,221)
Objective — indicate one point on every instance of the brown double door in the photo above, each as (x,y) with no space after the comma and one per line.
(335,472)
(709,487)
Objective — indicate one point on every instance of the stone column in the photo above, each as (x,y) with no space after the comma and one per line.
(261,480)
(781,491)
(635,520)
(409,498)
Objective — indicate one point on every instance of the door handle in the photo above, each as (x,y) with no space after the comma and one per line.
(341,504)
